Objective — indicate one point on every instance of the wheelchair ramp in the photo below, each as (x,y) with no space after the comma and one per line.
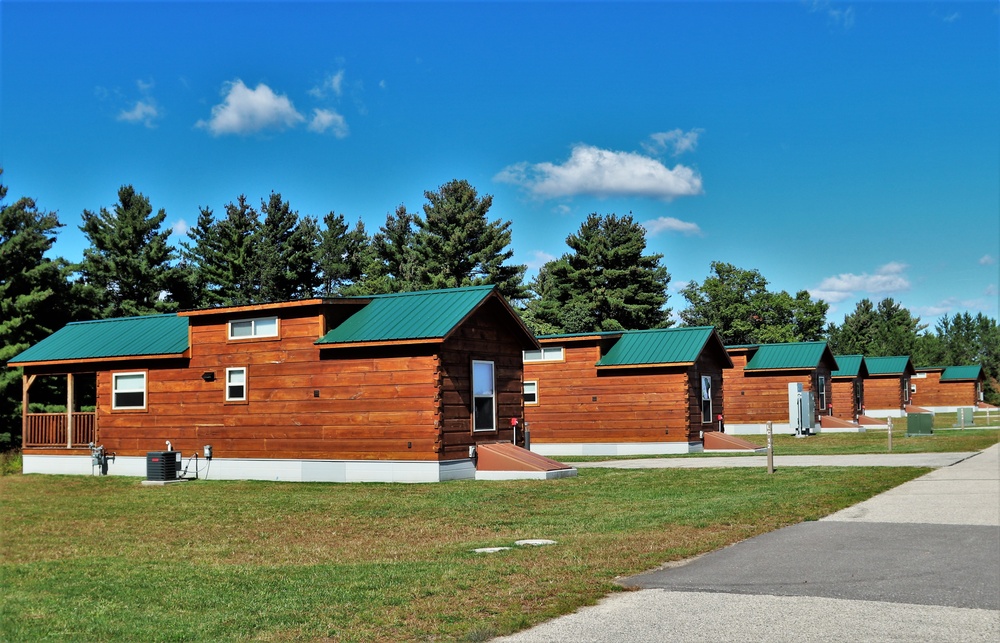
(717,441)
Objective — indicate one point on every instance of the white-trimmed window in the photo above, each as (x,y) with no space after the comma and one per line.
(821,392)
(236,384)
(128,390)
(252,328)
(545,354)
(531,392)
(706,399)
(484,399)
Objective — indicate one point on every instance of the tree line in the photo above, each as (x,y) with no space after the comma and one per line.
(249,254)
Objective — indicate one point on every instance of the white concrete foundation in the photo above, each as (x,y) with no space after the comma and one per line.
(269,469)
(550,449)
(525,475)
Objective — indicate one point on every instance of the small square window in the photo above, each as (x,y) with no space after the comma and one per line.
(531,392)
(544,354)
(236,384)
(129,391)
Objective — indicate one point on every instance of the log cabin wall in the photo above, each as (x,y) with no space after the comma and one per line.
(843,398)
(757,397)
(884,392)
(710,366)
(579,403)
(489,335)
(373,404)
(931,391)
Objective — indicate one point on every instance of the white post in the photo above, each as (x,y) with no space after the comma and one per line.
(889,420)
(69,410)
(770,447)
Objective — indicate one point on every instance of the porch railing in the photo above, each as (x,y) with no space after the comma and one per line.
(49,430)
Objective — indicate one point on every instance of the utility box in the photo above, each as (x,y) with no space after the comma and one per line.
(964,417)
(163,465)
(919,424)
(801,409)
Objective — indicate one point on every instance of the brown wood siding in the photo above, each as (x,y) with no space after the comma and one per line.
(884,392)
(377,404)
(579,403)
(844,406)
(931,391)
(760,397)
(489,335)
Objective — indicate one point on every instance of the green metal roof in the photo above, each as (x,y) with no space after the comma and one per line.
(791,355)
(850,366)
(426,314)
(658,346)
(120,337)
(955,373)
(896,365)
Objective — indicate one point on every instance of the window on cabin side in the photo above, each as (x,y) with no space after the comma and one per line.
(706,399)
(821,392)
(531,392)
(236,384)
(484,410)
(545,354)
(128,391)
(250,328)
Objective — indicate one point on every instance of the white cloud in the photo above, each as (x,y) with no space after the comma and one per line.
(381,84)
(677,141)
(841,17)
(328,120)
(333,83)
(144,112)
(145,109)
(562,209)
(670,224)
(246,111)
(539,259)
(180,228)
(987,260)
(888,278)
(991,290)
(593,171)
(952,17)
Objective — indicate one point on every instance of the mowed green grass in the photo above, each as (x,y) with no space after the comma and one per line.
(97,559)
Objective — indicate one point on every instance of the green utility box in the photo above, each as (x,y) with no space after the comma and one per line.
(964,417)
(919,424)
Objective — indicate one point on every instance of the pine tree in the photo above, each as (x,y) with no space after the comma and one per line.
(344,256)
(35,297)
(396,264)
(127,267)
(456,245)
(286,252)
(231,261)
(876,331)
(605,283)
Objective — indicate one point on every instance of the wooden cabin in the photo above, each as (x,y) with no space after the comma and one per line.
(946,389)
(847,387)
(396,387)
(887,387)
(624,392)
(758,389)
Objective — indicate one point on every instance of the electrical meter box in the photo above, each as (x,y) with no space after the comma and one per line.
(163,465)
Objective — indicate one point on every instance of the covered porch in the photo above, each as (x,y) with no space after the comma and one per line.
(65,423)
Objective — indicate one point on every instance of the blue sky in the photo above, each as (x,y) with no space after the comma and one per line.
(850,149)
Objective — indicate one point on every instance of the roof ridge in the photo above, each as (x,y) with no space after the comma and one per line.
(119,319)
(435,291)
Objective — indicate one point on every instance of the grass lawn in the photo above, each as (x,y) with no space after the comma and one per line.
(95,559)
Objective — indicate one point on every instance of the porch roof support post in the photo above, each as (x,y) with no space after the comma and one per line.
(26,381)
(69,410)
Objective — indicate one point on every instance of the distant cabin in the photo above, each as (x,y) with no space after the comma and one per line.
(887,387)
(945,389)
(847,391)
(624,392)
(757,390)
(396,387)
